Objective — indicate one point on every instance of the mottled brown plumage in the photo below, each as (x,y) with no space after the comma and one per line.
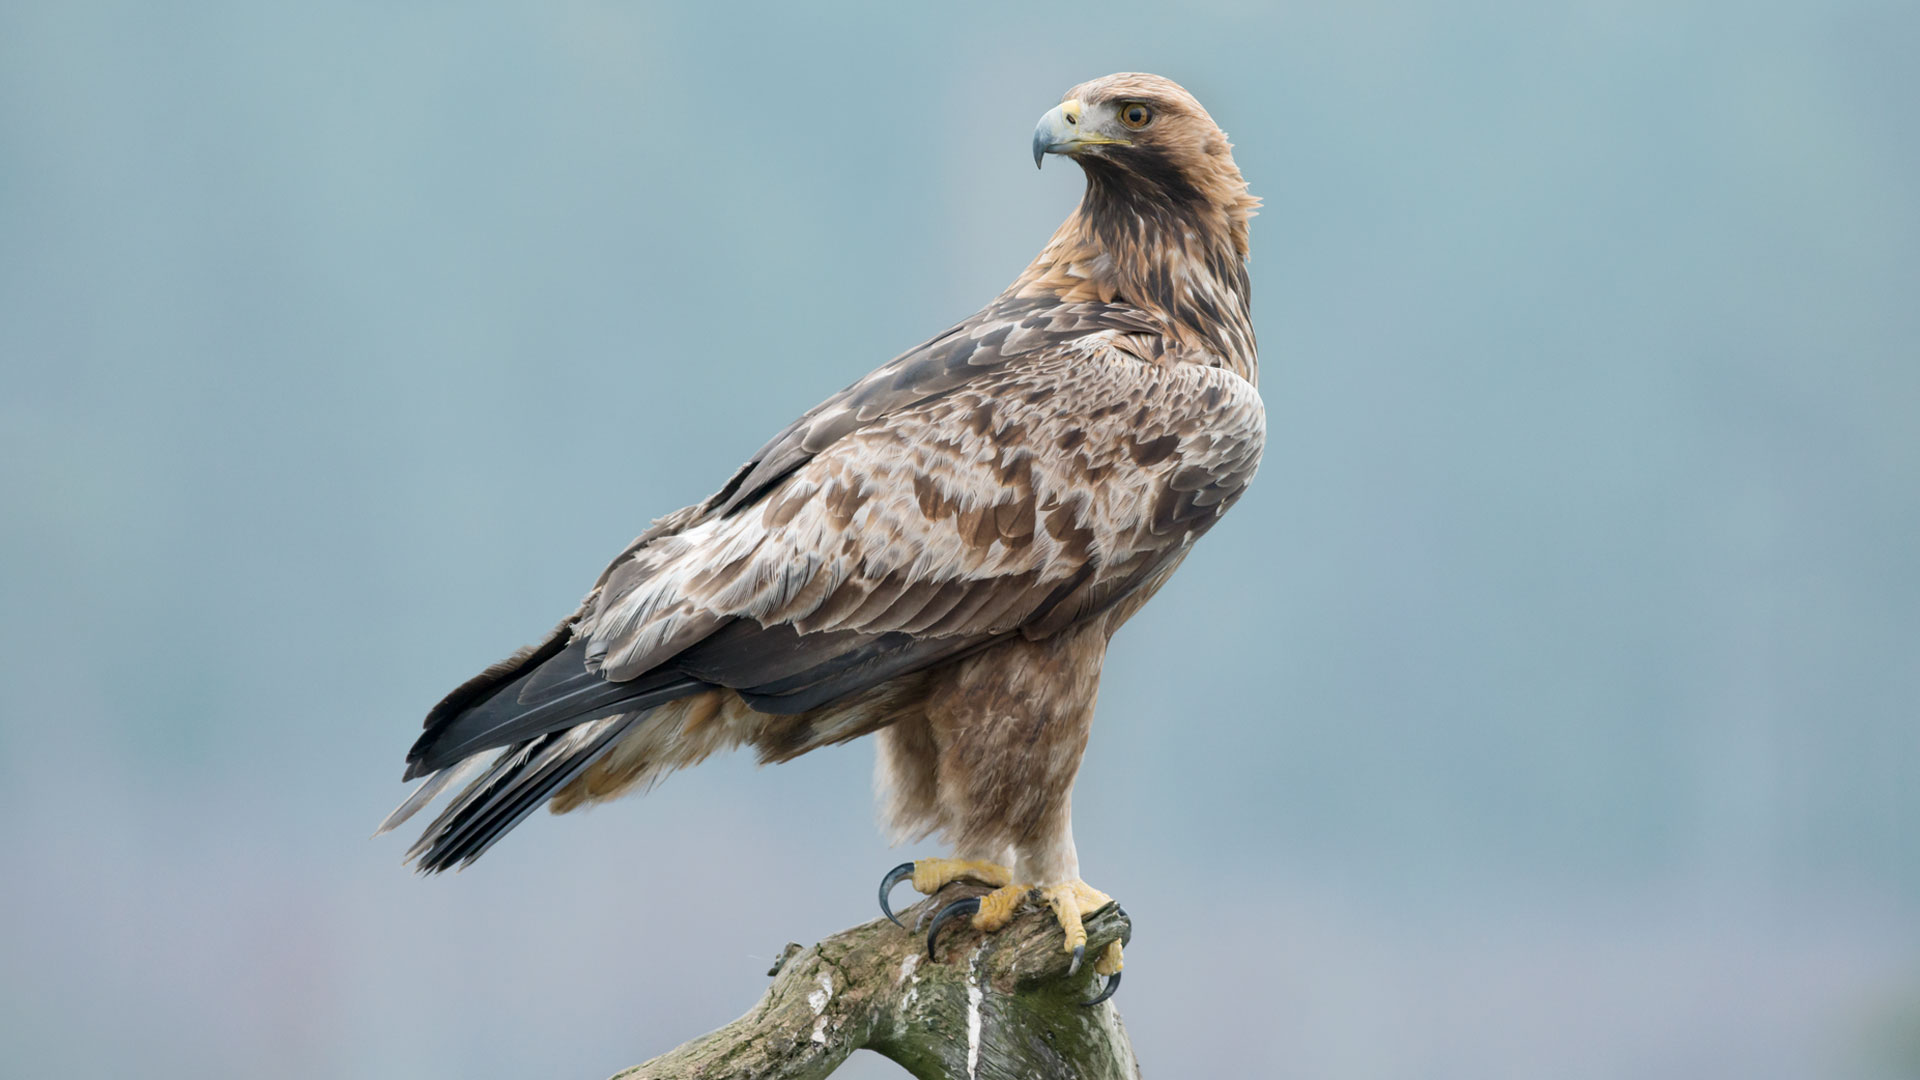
(938,553)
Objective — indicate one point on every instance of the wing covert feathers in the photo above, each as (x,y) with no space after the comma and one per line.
(956,516)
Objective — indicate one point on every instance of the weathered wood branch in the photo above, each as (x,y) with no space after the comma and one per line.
(992,1007)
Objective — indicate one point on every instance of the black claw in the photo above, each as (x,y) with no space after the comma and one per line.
(1079,954)
(1106,991)
(952,911)
(894,877)
(1113,983)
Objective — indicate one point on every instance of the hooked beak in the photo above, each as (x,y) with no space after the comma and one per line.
(1064,130)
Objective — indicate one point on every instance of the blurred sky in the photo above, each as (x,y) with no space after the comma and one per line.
(1548,708)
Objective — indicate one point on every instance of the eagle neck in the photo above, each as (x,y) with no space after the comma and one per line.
(1180,260)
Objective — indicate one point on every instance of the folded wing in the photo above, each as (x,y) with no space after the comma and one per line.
(976,501)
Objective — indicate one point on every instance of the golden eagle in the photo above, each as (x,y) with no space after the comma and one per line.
(936,555)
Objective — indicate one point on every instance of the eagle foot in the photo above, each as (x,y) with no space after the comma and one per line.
(931,875)
(1071,901)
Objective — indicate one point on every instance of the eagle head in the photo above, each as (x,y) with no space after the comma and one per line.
(1145,133)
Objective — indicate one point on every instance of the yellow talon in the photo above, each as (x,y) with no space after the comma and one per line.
(1067,911)
(1109,962)
(997,907)
(931,875)
(1071,900)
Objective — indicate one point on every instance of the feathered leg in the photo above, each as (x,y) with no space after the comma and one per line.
(993,769)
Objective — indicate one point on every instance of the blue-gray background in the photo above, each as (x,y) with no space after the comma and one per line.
(1547,709)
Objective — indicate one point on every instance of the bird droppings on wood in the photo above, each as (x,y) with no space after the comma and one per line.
(974,997)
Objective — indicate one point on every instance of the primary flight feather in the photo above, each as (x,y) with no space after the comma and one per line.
(937,554)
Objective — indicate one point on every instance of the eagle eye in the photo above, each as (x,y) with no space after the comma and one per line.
(1135,115)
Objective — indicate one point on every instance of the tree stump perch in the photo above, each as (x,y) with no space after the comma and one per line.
(992,1007)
